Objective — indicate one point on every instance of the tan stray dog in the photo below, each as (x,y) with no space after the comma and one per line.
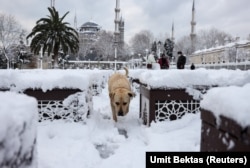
(120,94)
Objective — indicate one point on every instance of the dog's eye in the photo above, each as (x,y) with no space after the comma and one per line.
(117,103)
(124,103)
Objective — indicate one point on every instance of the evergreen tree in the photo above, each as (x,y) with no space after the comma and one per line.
(154,47)
(169,46)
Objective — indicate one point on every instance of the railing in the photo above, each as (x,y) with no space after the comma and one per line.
(94,64)
(231,65)
(52,105)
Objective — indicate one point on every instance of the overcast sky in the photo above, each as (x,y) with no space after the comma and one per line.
(231,16)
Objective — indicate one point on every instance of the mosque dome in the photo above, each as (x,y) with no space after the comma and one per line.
(89,28)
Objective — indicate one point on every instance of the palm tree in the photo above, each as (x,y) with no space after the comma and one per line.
(52,34)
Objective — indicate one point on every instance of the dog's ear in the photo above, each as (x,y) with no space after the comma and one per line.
(131,94)
(111,95)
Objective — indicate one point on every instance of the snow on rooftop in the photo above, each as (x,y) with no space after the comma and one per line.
(232,102)
(242,42)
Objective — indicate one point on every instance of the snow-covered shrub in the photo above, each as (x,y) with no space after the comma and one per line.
(18,118)
(97,84)
(75,107)
(79,106)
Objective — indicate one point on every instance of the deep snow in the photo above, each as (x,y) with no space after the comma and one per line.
(98,143)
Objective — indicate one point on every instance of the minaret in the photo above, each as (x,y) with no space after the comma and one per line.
(117,12)
(75,21)
(121,30)
(193,23)
(172,36)
(52,3)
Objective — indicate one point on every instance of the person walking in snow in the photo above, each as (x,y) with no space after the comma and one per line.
(150,60)
(192,67)
(181,61)
(163,61)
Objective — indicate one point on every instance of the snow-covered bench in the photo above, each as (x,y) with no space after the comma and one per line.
(225,114)
(18,120)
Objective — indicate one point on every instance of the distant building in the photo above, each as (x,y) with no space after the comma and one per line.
(89,30)
(119,30)
(88,35)
(119,24)
(193,24)
(238,51)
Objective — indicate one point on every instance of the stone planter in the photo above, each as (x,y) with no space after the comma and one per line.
(52,106)
(165,104)
(224,136)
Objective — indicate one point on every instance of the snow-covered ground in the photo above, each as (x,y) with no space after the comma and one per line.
(101,143)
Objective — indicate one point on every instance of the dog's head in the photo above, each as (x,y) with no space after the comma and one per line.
(120,98)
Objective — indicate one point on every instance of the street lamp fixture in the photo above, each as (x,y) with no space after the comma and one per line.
(41,57)
(159,48)
(146,50)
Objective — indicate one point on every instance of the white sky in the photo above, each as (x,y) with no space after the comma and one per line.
(231,16)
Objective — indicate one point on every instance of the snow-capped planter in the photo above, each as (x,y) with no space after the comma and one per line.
(165,105)
(225,114)
(66,104)
(18,119)
(170,94)
(52,87)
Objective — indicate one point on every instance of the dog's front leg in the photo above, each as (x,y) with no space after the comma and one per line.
(113,112)
(114,117)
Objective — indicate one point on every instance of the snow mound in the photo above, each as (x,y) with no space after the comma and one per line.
(18,129)
(231,102)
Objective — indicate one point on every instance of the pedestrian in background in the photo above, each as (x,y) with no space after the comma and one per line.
(163,61)
(192,67)
(181,61)
(151,60)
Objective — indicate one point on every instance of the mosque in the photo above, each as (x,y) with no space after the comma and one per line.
(89,33)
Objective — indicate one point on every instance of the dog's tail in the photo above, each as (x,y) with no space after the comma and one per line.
(126,69)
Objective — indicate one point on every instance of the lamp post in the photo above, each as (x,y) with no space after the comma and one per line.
(236,55)
(115,55)
(13,63)
(41,57)
(146,50)
(159,49)
(139,59)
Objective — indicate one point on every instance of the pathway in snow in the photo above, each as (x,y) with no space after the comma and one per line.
(101,143)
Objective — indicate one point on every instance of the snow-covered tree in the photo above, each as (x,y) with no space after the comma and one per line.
(211,38)
(10,31)
(184,45)
(13,49)
(204,39)
(141,41)
(104,45)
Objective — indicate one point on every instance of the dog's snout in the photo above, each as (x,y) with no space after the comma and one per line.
(120,113)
